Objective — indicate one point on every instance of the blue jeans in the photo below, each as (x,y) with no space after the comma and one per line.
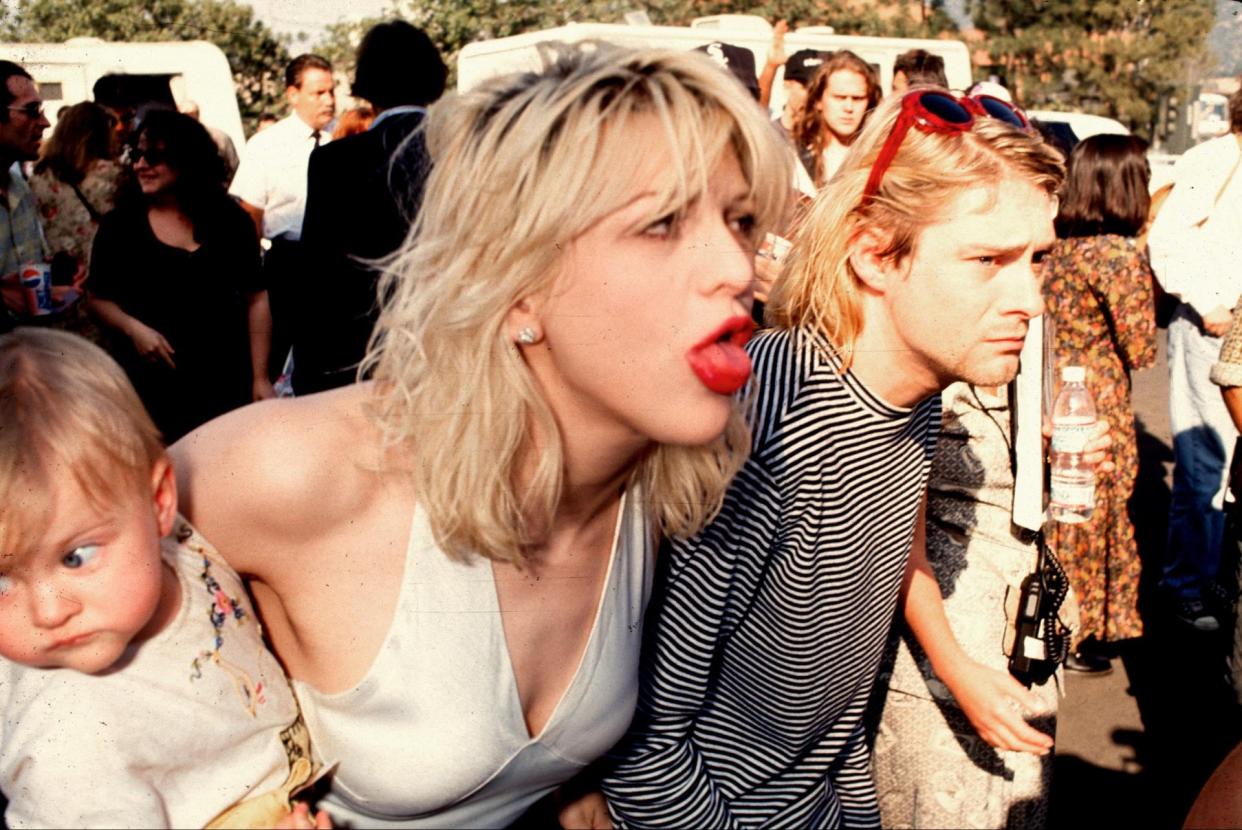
(1203,438)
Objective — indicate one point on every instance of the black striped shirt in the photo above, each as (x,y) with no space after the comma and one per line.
(768,627)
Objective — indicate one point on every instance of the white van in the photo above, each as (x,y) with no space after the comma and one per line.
(483,59)
(66,73)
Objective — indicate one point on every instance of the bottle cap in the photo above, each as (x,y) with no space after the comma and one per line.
(1073,374)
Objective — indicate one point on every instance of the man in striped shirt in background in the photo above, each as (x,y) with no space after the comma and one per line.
(916,267)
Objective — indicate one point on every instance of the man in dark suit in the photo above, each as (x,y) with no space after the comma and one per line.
(363,193)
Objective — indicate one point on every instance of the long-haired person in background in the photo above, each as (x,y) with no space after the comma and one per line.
(74,183)
(76,179)
(453,559)
(175,274)
(843,91)
(1098,291)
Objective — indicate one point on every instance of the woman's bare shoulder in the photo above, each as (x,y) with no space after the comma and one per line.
(279,472)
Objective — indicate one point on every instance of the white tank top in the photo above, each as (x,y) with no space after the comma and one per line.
(434,734)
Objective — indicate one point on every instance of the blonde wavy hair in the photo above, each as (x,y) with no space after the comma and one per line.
(69,415)
(819,288)
(523,164)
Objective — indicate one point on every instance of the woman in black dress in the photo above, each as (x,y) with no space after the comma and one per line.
(176,272)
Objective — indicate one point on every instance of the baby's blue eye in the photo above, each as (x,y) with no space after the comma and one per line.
(80,556)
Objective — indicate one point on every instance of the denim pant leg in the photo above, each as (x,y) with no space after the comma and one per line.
(1203,438)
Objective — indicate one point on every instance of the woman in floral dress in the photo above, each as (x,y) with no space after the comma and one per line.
(1098,293)
(75,182)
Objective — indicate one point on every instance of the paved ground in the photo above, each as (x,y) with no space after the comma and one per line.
(1134,747)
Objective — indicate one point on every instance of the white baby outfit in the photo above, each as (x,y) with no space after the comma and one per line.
(190,722)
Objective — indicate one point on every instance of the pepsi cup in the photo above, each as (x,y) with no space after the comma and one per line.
(37,287)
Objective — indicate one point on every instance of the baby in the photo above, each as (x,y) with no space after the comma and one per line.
(135,685)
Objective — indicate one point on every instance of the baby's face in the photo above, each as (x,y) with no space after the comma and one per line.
(89,587)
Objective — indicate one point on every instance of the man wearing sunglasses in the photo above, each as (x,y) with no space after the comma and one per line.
(22,123)
(916,267)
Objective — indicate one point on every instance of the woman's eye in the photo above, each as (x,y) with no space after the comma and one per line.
(6,585)
(986,260)
(744,225)
(661,228)
(80,556)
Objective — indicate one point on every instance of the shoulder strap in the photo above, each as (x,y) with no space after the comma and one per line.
(1225,184)
(96,215)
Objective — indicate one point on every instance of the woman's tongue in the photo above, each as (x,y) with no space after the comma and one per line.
(722,366)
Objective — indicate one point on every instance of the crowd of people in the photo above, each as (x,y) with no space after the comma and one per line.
(464,400)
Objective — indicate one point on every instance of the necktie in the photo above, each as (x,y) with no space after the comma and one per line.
(316,135)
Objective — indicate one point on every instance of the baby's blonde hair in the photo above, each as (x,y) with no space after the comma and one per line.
(819,288)
(523,164)
(68,413)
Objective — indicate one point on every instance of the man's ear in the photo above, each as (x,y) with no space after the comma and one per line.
(875,270)
(164,494)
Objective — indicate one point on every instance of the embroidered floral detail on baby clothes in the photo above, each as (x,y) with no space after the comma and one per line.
(223,607)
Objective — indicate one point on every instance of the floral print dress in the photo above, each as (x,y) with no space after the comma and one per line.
(1098,293)
(67,223)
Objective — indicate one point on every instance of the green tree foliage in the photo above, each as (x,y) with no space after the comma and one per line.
(256,56)
(1118,58)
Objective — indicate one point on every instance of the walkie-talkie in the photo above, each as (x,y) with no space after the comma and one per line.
(1027,661)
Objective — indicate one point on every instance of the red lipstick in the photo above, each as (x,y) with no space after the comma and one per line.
(719,360)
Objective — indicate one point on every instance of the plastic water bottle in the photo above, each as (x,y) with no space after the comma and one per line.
(1073,421)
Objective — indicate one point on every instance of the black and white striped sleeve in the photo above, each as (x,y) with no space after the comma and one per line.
(661,778)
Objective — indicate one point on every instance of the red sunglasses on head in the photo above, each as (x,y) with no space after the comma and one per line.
(934,111)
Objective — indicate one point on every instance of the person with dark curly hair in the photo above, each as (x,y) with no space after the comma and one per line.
(175,272)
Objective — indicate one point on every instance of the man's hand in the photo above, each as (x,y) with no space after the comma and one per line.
(1098,450)
(261,389)
(151,344)
(300,819)
(13,294)
(994,703)
(767,272)
(1216,322)
(776,52)
(587,812)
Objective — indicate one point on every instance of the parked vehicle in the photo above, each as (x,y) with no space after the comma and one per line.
(486,58)
(173,72)
(1084,124)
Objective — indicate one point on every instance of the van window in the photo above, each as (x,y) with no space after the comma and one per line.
(133,91)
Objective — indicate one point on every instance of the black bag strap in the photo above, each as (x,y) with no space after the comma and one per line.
(95,215)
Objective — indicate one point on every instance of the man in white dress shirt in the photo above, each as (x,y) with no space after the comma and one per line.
(1196,244)
(271,182)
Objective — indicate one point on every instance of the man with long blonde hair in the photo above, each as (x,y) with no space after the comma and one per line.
(916,267)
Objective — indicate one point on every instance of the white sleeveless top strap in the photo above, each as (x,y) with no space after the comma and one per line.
(434,734)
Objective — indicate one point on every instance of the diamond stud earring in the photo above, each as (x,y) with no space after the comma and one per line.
(527,335)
